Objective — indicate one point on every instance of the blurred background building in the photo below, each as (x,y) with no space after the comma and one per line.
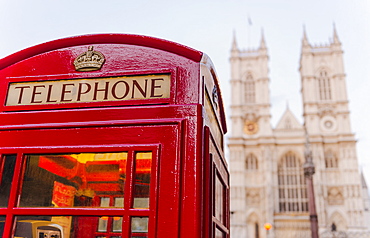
(266,162)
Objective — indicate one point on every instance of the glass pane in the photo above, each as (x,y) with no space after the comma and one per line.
(63,227)
(38,226)
(103,224)
(219,200)
(107,236)
(104,202)
(2,223)
(118,202)
(219,234)
(7,164)
(73,180)
(143,164)
(139,227)
(117,224)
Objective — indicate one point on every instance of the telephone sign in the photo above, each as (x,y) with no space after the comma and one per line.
(89,90)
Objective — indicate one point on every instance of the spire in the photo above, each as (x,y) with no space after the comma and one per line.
(262,43)
(305,40)
(335,35)
(234,46)
(262,49)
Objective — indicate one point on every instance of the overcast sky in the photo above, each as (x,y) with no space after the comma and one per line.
(208,25)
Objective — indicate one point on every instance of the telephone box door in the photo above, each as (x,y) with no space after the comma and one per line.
(93,181)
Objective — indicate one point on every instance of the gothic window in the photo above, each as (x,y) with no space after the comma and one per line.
(324,86)
(251,163)
(252,226)
(249,89)
(292,185)
(331,161)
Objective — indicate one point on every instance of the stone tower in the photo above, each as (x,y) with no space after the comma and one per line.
(327,118)
(266,163)
(251,141)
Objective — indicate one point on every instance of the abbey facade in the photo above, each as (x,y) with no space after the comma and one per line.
(266,163)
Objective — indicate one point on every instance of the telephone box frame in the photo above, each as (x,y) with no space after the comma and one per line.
(186,129)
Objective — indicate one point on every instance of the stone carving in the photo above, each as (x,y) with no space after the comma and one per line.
(253,196)
(335,196)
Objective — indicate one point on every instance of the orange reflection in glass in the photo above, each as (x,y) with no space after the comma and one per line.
(73,180)
(143,166)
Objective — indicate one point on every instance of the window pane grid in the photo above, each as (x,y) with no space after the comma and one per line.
(292,186)
(324,86)
(249,89)
(331,161)
(70,183)
(251,162)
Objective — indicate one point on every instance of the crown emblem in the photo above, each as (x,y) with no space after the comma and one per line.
(89,61)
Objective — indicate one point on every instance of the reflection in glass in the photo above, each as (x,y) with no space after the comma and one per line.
(117,224)
(104,202)
(143,165)
(2,223)
(7,164)
(73,180)
(118,202)
(37,226)
(110,237)
(103,224)
(114,222)
(219,200)
(219,234)
(93,180)
(139,227)
(65,227)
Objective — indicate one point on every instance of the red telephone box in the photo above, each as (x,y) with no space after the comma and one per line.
(114,136)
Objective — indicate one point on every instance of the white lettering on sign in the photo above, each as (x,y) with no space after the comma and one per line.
(89,90)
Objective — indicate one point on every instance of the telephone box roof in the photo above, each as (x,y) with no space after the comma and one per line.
(129,39)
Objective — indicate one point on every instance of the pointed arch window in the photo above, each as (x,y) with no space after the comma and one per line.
(256,231)
(324,86)
(251,162)
(249,89)
(253,226)
(292,185)
(331,161)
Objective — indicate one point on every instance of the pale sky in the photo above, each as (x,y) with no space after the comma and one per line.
(208,26)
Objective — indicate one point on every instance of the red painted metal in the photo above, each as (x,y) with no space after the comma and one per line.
(128,39)
(184,131)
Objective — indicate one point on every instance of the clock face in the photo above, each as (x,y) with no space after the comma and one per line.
(250,127)
(328,123)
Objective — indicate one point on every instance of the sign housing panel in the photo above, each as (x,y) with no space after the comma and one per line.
(89,90)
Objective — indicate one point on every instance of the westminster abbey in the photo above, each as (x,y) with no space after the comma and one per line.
(266,162)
